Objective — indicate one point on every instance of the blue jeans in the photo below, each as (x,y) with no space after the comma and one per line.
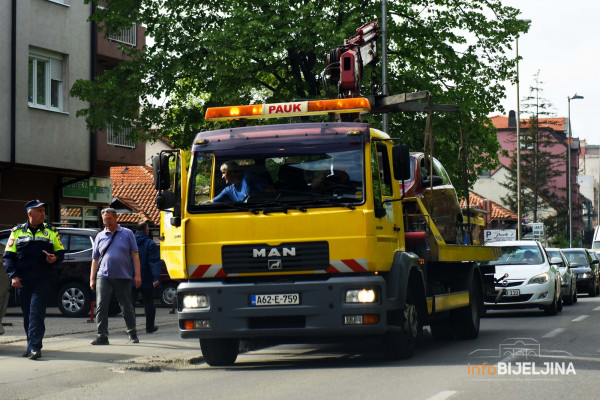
(122,288)
(33,297)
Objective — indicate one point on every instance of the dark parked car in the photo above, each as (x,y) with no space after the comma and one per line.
(585,268)
(71,280)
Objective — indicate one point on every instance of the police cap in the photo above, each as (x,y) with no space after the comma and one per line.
(33,204)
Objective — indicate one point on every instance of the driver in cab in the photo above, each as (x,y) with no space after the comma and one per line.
(239,186)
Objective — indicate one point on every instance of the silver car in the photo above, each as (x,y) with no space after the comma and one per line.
(568,287)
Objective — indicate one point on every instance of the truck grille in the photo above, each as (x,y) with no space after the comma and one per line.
(286,257)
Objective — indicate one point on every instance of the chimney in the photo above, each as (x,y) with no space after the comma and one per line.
(512,120)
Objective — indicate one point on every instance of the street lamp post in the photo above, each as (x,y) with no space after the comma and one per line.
(519,216)
(569,145)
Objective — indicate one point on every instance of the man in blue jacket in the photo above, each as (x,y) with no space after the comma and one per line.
(150,273)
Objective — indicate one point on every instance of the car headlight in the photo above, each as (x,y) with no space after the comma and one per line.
(195,301)
(361,296)
(586,275)
(541,278)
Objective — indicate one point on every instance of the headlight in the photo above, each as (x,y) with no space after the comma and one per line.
(361,296)
(195,301)
(541,278)
(587,275)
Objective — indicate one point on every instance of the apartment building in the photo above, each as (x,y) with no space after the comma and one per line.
(47,152)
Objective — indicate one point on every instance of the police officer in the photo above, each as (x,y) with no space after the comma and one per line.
(31,250)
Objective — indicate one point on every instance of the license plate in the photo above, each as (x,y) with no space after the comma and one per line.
(511,292)
(275,299)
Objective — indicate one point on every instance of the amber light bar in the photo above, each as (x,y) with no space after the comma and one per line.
(296,108)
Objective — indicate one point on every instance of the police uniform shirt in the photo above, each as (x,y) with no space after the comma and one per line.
(24,255)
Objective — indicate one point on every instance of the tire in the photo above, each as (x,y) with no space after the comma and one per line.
(167,294)
(220,352)
(466,320)
(552,309)
(399,345)
(569,299)
(74,300)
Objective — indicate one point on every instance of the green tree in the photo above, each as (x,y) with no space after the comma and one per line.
(218,52)
(539,166)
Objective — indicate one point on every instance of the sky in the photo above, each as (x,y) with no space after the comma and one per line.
(563,43)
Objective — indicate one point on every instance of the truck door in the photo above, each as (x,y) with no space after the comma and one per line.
(173,222)
(387,224)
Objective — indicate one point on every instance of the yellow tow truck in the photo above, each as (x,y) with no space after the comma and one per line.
(301,230)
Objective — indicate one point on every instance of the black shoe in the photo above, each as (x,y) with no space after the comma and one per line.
(100,340)
(133,338)
(152,330)
(26,354)
(34,355)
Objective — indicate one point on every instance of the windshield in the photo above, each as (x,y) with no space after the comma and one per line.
(286,179)
(576,258)
(519,255)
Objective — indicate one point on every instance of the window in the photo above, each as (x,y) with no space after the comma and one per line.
(79,216)
(45,80)
(119,139)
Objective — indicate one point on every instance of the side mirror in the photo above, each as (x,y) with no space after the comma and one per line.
(595,261)
(436,180)
(165,200)
(401,162)
(380,212)
(555,260)
(160,167)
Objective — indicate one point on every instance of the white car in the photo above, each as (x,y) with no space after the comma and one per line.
(525,278)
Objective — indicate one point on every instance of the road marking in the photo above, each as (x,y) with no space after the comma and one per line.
(446,394)
(596,309)
(580,318)
(553,333)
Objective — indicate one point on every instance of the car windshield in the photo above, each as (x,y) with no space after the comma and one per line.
(576,258)
(288,179)
(519,255)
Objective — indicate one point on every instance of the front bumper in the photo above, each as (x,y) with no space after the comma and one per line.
(321,310)
(530,296)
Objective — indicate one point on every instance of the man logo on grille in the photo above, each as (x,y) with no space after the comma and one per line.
(275,264)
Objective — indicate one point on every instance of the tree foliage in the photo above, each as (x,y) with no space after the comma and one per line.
(219,52)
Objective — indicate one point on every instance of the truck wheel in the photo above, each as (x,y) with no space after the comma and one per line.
(465,321)
(220,352)
(400,345)
(442,329)
(74,300)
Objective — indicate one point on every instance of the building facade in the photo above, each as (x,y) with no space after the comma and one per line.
(47,152)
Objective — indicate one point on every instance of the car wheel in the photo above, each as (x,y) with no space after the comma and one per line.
(167,294)
(74,300)
(552,309)
(569,299)
(559,302)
